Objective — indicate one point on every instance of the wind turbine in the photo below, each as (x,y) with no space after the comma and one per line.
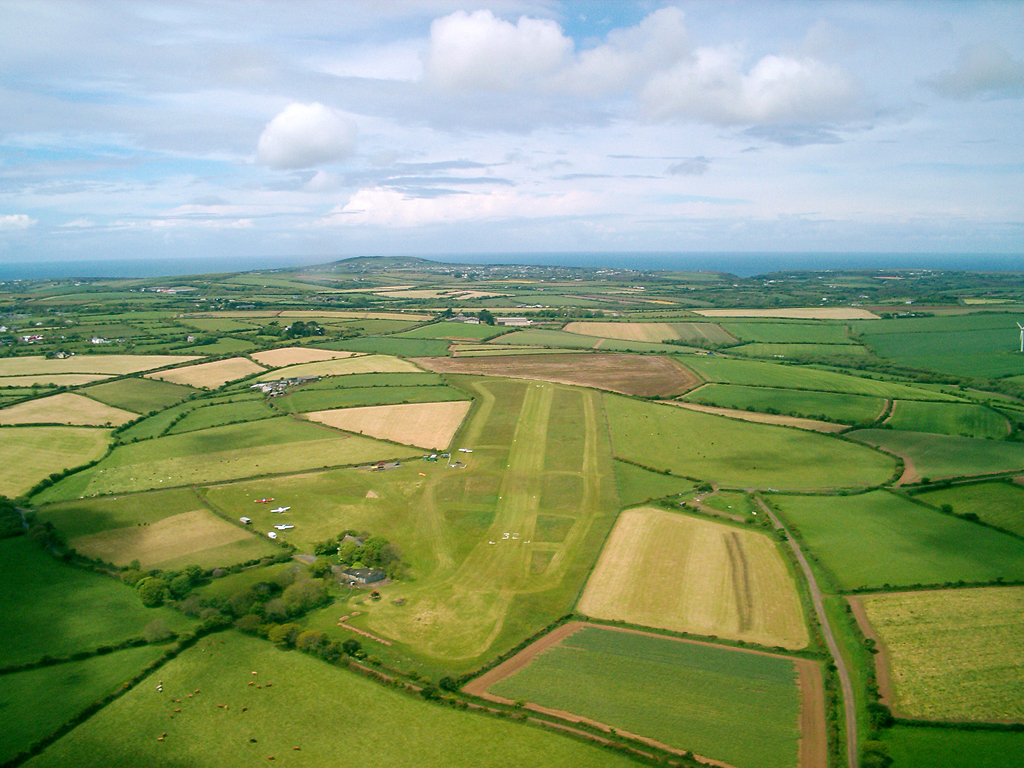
(1021,336)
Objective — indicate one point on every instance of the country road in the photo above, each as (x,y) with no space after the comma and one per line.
(849,706)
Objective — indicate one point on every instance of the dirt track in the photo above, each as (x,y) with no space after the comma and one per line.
(882,676)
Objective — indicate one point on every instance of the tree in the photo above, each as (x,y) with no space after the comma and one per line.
(351,646)
(284,635)
(152,591)
(250,624)
(486,317)
(310,641)
(875,754)
(180,586)
(305,595)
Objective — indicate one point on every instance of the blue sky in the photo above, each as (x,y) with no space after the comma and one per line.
(159,129)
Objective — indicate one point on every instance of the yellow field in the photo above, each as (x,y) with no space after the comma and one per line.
(209,375)
(795,313)
(107,364)
(169,539)
(765,418)
(54,379)
(341,315)
(65,408)
(647,332)
(953,654)
(275,358)
(358,364)
(425,425)
(33,453)
(676,572)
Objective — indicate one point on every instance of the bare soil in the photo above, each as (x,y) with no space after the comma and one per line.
(626,374)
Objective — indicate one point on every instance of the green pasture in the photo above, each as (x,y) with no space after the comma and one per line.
(760,349)
(563,340)
(37,702)
(418,379)
(731,503)
(937,456)
(877,539)
(720,703)
(637,485)
(219,414)
(235,583)
(277,445)
(52,608)
(158,423)
(723,370)
(304,400)
(999,503)
(31,454)
(923,747)
(780,332)
(225,345)
(833,406)
(450,330)
(219,324)
(392,345)
(964,419)
(737,453)
(138,394)
(84,516)
(334,717)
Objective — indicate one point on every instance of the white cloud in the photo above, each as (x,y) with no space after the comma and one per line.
(985,68)
(15,221)
(711,85)
(480,51)
(304,136)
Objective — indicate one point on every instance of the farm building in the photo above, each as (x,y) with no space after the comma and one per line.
(364,575)
(514,321)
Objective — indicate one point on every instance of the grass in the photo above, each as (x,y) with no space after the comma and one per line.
(204,417)
(951,651)
(87,516)
(335,717)
(58,609)
(218,454)
(964,419)
(448,330)
(34,453)
(342,367)
(66,689)
(138,394)
(157,424)
(637,485)
(922,747)
(658,687)
(838,407)
(937,456)
(564,340)
(118,365)
(391,345)
(653,332)
(799,350)
(723,581)
(737,454)
(877,539)
(1000,504)
(65,408)
(306,399)
(788,333)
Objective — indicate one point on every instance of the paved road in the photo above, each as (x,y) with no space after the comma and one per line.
(833,647)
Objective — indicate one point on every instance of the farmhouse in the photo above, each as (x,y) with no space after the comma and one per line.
(364,575)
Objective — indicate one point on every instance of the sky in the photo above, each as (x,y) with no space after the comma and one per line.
(132,130)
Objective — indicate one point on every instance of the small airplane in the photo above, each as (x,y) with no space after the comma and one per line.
(262,501)
(283,527)
(280,509)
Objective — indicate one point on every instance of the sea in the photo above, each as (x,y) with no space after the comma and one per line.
(744,264)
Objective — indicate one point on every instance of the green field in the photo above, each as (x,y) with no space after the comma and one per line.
(659,688)
(69,688)
(920,747)
(221,453)
(841,408)
(637,485)
(964,419)
(335,718)
(307,399)
(936,456)
(564,340)
(84,516)
(449,330)
(34,453)
(735,453)
(775,332)
(1000,504)
(878,538)
(723,370)
(391,345)
(138,394)
(219,414)
(57,609)
(790,351)
(343,367)
(157,424)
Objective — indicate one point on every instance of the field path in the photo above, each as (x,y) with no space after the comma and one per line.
(849,708)
(813,728)
(882,672)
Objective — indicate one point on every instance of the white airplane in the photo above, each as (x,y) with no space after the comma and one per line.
(272,535)
(281,509)
(283,527)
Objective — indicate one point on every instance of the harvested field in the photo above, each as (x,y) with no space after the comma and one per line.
(724,581)
(33,453)
(209,375)
(653,332)
(115,365)
(766,418)
(55,380)
(627,374)
(795,313)
(184,536)
(344,367)
(275,358)
(426,425)
(953,654)
(65,408)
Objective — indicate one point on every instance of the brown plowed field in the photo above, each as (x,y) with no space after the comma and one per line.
(627,374)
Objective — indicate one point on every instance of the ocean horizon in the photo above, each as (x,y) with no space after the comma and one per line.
(740,264)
